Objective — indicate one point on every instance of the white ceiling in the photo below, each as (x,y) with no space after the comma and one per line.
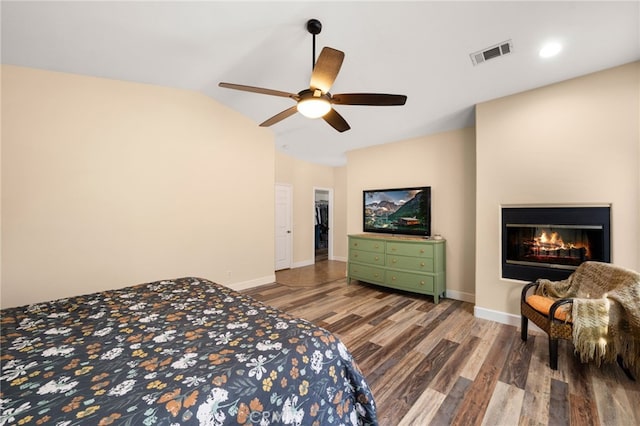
(419,49)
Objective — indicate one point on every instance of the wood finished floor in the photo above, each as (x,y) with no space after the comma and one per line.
(439,365)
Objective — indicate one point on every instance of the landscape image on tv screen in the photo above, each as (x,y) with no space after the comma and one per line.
(398,211)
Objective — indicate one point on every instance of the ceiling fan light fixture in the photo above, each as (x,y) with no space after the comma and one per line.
(314,107)
(316,101)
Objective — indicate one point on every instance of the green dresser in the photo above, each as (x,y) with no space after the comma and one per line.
(406,263)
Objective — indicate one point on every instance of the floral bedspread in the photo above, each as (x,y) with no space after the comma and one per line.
(185,351)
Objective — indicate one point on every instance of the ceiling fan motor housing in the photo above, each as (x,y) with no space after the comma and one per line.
(314,26)
(316,101)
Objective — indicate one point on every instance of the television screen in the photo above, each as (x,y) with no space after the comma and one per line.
(397,211)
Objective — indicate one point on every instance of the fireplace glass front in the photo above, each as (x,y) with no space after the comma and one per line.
(552,242)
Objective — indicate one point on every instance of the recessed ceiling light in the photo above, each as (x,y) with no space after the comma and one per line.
(550,49)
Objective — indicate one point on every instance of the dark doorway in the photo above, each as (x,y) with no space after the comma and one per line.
(321,225)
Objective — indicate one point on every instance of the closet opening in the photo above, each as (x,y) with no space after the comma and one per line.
(321,224)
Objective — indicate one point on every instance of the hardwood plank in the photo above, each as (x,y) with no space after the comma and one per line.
(583,409)
(487,334)
(449,408)
(516,368)
(505,405)
(364,351)
(424,409)
(344,324)
(461,325)
(397,348)
(392,406)
(611,400)
(392,309)
(449,373)
(535,407)
(386,336)
(439,365)
(473,407)
(424,372)
(633,395)
(559,403)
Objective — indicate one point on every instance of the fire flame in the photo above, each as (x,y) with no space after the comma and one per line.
(550,242)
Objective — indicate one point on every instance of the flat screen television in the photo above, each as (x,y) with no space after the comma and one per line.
(405,211)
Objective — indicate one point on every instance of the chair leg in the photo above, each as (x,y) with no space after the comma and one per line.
(524,325)
(553,353)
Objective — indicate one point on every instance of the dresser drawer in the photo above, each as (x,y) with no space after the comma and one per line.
(408,281)
(366,257)
(373,245)
(366,273)
(420,264)
(409,249)
(404,263)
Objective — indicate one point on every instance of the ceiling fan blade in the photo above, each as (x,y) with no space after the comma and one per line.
(326,69)
(336,121)
(280,116)
(375,99)
(258,90)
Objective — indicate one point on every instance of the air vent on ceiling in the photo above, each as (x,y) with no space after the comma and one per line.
(492,52)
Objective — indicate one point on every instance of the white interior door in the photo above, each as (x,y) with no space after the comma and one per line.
(284,234)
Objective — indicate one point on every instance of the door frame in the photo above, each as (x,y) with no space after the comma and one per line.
(313,221)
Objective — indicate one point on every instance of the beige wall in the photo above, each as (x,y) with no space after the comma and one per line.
(304,177)
(576,142)
(108,183)
(446,162)
(340,244)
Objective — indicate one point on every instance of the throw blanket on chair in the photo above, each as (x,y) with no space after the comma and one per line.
(605,313)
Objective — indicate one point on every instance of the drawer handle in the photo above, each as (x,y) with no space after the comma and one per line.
(355,244)
(376,275)
(393,278)
(421,263)
(394,260)
(377,258)
(393,249)
(421,250)
(355,255)
(376,246)
(421,282)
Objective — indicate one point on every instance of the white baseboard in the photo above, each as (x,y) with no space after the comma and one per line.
(253,283)
(461,295)
(303,263)
(502,318)
(312,262)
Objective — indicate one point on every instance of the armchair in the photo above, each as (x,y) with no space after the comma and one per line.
(597,308)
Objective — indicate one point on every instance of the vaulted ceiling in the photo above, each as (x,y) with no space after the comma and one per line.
(419,49)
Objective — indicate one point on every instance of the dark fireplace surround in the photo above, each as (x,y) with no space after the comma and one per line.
(550,242)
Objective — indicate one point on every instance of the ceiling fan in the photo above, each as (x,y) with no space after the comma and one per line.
(316,101)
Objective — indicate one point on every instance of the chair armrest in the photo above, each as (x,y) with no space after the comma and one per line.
(555,306)
(552,309)
(526,289)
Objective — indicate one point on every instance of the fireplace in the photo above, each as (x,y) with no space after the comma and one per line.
(550,242)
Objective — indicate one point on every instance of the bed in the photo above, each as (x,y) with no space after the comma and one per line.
(184,351)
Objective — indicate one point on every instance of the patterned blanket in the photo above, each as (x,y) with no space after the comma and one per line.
(605,312)
(183,351)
